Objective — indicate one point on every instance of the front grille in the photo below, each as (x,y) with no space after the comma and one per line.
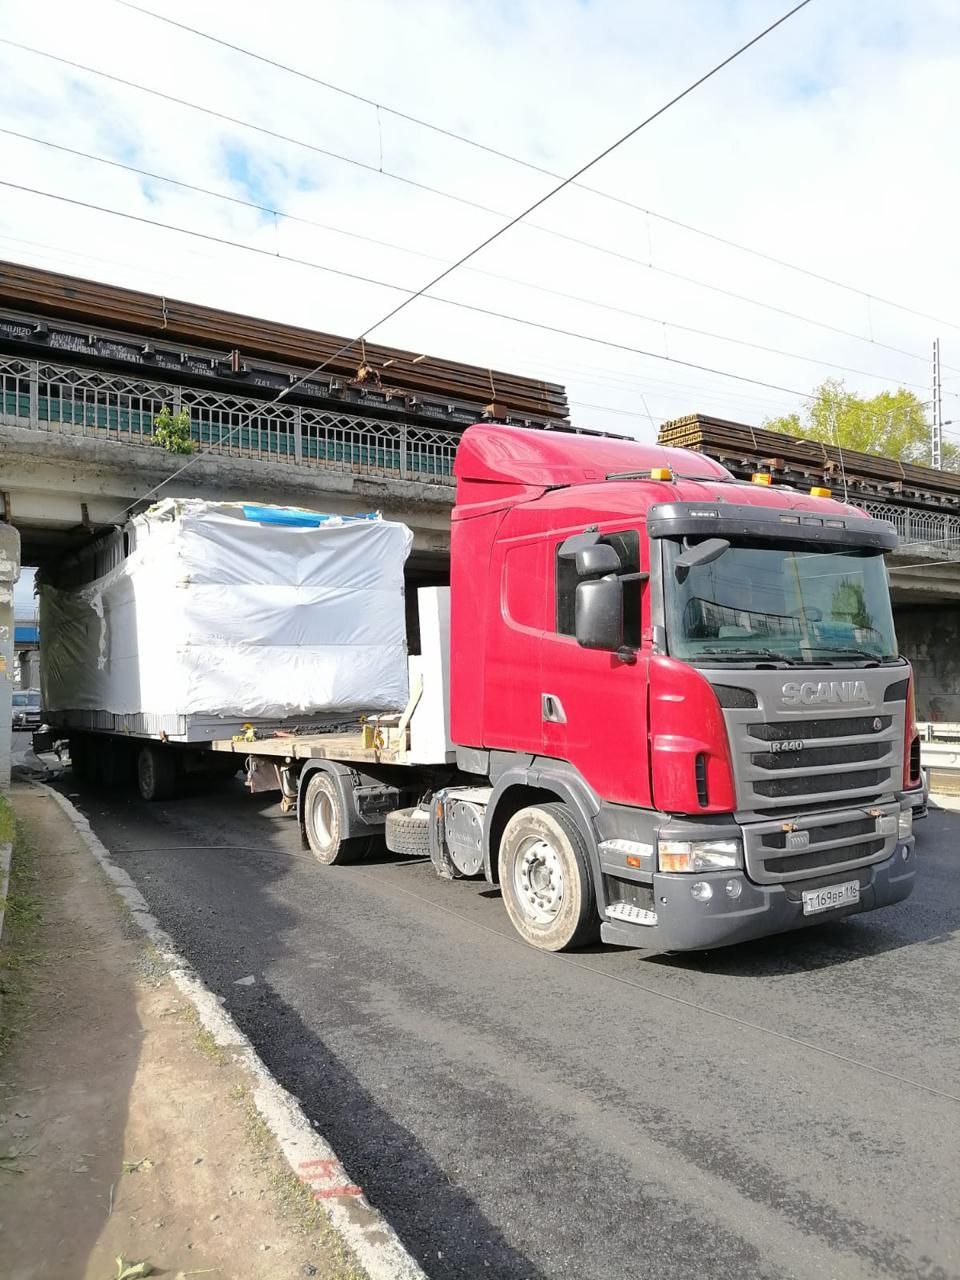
(795,759)
(821,783)
(823,835)
(837,841)
(811,757)
(814,858)
(844,727)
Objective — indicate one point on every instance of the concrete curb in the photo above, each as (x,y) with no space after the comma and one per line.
(6,853)
(374,1243)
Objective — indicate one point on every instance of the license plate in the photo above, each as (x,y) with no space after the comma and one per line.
(836,895)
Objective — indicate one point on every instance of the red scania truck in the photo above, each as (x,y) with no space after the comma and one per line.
(677,714)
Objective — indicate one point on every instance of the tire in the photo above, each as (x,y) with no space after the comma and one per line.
(408,832)
(156,772)
(546,881)
(323,821)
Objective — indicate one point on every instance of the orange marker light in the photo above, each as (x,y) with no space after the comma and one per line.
(661,473)
(762,477)
(819,492)
(633,861)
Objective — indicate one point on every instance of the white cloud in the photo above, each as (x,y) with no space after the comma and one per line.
(828,145)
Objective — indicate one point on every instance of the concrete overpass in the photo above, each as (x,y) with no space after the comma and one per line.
(76,452)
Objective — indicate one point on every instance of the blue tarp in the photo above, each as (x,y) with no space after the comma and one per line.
(25,635)
(294,516)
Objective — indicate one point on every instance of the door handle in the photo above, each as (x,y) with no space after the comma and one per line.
(552,708)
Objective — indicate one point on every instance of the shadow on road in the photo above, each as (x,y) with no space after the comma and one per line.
(438,1221)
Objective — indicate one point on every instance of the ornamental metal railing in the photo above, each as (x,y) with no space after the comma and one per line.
(922,533)
(68,400)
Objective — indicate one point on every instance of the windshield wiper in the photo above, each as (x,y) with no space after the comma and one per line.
(742,654)
(851,652)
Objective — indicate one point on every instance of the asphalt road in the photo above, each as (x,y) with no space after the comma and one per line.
(784,1108)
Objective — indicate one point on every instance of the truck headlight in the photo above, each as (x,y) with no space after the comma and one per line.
(905,824)
(699,855)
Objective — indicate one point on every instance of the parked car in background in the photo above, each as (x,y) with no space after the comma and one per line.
(26,709)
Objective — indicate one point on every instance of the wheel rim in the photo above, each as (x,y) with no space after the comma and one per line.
(538,880)
(324,819)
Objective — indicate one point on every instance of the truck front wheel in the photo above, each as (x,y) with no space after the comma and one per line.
(324,823)
(156,772)
(545,879)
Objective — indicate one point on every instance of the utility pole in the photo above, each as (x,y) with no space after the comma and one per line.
(936,433)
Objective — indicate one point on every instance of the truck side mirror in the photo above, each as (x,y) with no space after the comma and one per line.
(698,553)
(595,561)
(599,613)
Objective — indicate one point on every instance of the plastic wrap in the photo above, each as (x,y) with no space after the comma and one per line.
(232,610)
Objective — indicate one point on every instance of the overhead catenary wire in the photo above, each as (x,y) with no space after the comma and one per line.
(493,275)
(538,203)
(592,246)
(385,284)
(529,164)
(520,320)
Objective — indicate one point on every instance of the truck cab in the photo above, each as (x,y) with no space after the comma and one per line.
(682,690)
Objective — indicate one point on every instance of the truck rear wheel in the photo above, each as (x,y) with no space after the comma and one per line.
(545,879)
(324,822)
(156,772)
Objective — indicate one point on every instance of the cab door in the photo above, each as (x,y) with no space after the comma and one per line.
(516,618)
(593,704)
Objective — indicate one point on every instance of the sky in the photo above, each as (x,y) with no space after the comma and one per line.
(827,146)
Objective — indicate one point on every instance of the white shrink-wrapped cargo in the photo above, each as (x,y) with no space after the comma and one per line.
(211,612)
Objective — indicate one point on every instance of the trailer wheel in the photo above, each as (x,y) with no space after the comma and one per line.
(545,879)
(156,772)
(323,821)
(408,832)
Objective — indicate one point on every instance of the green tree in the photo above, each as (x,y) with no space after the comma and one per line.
(893,424)
(171,431)
(849,604)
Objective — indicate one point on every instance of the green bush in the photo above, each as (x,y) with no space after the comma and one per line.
(172,431)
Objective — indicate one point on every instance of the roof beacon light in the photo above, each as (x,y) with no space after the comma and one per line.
(661,473)
(762,477)
(818,491)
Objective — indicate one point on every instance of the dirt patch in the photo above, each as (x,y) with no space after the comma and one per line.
(124,1130)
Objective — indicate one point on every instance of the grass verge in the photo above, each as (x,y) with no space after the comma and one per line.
(18,952)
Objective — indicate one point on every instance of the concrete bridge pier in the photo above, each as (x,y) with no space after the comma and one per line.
(9,573)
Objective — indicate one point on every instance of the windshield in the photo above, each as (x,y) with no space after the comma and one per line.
(756,602)
(26,700)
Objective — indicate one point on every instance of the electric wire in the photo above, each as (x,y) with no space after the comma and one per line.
(493,275)
(385,284)
(453,302)
(589,245)
(532,167)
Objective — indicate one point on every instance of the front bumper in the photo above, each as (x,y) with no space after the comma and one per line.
(684,924)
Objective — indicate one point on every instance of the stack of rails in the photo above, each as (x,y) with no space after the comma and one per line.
(34,292)
(745,449)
